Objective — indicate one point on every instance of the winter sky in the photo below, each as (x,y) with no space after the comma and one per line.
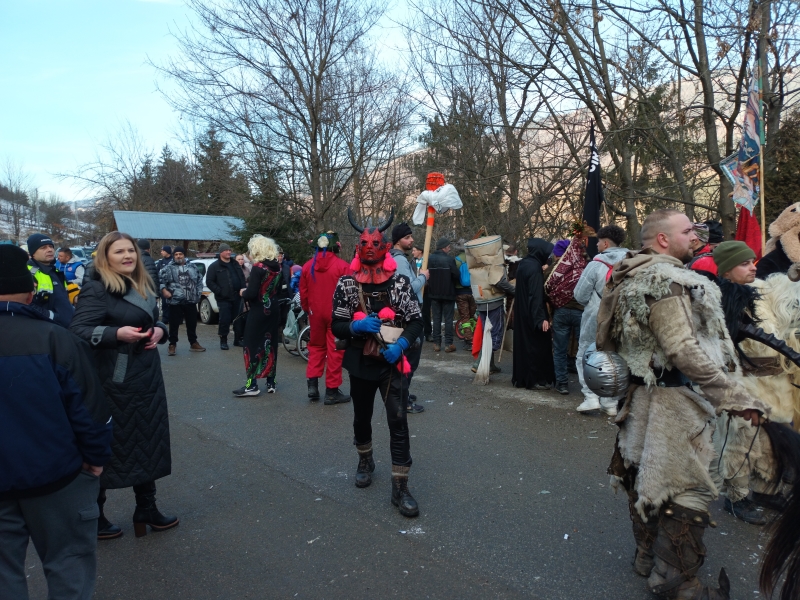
(76,72)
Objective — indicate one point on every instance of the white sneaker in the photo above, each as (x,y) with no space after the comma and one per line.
(589,404)
(609,408)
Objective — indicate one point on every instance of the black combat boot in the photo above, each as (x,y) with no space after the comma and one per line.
(366,465)
(147,513)
(401,497)
(746,511)
(679,553)
(334,396)
(106,530)
(313,389)
(223,342)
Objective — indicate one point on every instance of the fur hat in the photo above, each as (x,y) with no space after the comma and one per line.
(786,228)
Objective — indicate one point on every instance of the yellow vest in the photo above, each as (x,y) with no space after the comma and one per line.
(44,283)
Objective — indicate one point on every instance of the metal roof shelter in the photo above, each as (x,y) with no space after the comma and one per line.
(173,226)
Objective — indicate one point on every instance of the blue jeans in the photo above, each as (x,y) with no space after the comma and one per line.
(565,321)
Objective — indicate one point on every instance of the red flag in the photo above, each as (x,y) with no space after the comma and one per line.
(749,231)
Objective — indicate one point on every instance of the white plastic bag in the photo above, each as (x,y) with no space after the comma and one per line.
(442,200)
(290,331)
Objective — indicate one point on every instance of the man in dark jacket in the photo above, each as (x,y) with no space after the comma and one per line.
(442,290)
(147,260)
(51,285)
(55,437)
(226,280)
(166,259)
(181,286)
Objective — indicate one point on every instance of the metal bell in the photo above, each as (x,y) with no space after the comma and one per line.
(606,373)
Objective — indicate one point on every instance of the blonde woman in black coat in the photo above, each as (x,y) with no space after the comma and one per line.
(117,315)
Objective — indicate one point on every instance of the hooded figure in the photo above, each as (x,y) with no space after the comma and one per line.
(317,283)
(533,347)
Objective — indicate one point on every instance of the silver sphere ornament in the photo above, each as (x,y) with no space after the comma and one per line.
(606,374)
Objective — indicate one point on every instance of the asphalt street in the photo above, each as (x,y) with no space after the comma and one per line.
(512,486)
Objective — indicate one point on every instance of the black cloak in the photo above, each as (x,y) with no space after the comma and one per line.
(533,348)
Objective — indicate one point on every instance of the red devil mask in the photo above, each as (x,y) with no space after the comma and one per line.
(373,263)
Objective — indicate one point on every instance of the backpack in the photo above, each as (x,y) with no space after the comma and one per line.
(463,272)
(608,272)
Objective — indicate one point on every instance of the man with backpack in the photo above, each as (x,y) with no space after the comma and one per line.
(402,242)
(588,291)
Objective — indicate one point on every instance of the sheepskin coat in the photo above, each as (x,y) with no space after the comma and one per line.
(658,315)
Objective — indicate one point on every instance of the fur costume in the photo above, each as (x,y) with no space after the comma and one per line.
(783,247)
(659,316)
(786,228)
(746,460)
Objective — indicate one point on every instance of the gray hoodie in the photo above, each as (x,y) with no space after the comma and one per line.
(404,268)
(589,290)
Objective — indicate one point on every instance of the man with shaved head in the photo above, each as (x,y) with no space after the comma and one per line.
(667,323)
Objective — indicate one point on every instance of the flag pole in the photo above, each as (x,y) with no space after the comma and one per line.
(762,71)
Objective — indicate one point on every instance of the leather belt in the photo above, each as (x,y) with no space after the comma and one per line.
(667,378)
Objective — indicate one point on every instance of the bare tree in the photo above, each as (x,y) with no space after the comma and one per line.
(295,81)
(16,183)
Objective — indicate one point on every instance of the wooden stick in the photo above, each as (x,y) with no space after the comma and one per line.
(428,235)
(505,330)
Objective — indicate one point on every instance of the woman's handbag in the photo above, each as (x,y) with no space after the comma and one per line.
(388,333)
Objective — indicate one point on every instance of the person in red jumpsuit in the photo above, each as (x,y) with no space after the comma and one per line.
(317,283)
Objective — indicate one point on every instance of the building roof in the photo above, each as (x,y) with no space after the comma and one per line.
(173,226)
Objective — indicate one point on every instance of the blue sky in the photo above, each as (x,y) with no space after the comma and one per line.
(73,71)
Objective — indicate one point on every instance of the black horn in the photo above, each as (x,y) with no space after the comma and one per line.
(386,225)
(352,220)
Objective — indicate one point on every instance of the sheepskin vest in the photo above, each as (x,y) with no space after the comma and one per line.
(635,341)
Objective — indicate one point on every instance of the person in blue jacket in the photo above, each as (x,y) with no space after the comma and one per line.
(55,437)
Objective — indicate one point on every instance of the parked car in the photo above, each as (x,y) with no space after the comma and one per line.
(81,254)
(207,307)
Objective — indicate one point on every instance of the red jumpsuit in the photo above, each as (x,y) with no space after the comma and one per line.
(316,299)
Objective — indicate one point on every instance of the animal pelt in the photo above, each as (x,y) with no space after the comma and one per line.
(637,343)
(667,435)
(786,228)
(745,460)
(778,307)
(737,299)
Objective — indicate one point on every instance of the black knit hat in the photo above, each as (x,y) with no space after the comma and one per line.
(15,278)
(442,243)
(400,231)
(143,244)
(37,240)
(715,232)
(179,249)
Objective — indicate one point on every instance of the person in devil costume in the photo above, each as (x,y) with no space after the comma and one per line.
(374,295)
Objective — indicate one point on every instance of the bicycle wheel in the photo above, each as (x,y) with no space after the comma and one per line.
(302,342)
(290,345)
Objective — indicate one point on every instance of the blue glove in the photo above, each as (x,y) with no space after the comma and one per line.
(370,324)
(393,352)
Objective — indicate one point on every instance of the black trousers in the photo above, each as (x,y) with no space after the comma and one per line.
(413,355)
(390,386)
(426,315)
(228,311)
(189,314)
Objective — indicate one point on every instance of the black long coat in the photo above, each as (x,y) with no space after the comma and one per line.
(533,348)
(132,380)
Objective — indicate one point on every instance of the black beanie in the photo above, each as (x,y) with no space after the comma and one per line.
(143,244)
(15,278)
(37,240)
(715,232)
(442,243)
(179,249)
(400,231)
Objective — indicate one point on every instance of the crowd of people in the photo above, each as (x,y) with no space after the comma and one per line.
(710,352)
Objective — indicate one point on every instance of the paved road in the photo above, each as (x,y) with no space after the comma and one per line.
(264,489)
